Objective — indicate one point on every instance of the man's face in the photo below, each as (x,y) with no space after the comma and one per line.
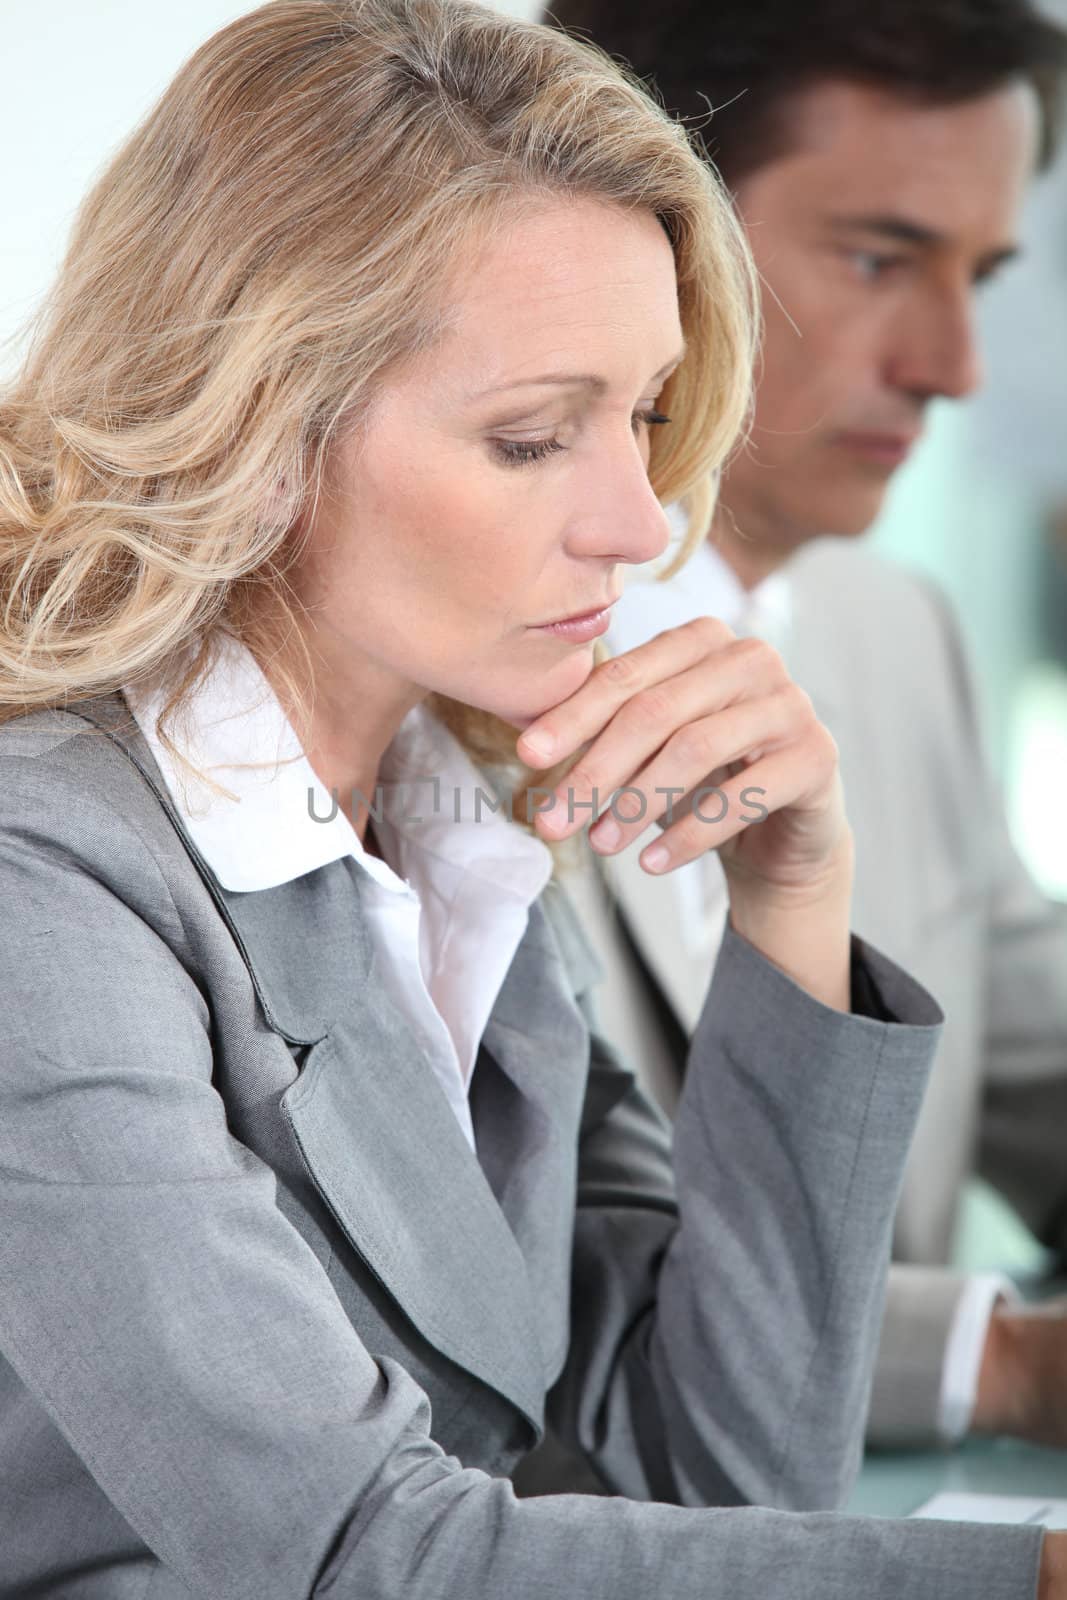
(871,235)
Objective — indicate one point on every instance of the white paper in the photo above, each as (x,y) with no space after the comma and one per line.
(1047,1513)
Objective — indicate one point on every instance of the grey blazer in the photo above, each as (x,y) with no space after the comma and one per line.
(269,1330)
(941,890)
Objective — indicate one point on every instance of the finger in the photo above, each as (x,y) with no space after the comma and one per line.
(574,721)
(775,782)
(694,755)
(654,724)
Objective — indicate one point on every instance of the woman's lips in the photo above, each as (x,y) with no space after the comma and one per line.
(580,629)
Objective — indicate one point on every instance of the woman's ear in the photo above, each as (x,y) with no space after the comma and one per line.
(282,512)
(276,507)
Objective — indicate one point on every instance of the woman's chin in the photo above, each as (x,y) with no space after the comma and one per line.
(567,678)
(522,700)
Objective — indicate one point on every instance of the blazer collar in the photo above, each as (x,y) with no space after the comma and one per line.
(380,1141)
(262,924)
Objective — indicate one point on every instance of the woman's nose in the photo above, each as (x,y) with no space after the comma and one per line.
(622,521)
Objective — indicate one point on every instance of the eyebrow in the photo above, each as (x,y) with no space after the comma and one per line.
(901,230)
(572,380)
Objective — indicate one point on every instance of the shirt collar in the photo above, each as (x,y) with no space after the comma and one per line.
(705,586)
(281,822)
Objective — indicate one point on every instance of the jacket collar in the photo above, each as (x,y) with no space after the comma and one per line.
(261,924)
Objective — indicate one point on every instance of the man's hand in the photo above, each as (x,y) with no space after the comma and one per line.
(1052,1576)
(1022,1382)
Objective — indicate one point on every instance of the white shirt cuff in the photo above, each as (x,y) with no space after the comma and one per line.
(964,1348)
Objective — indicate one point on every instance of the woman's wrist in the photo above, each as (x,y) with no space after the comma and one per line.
(805,930)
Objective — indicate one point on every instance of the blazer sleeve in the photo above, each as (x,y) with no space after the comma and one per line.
(726,1314)
(1023,1072)
(185,1341)
(921,1304)
(1024,1107)
(1024,1104)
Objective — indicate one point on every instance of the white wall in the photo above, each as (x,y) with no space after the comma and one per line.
(75,76)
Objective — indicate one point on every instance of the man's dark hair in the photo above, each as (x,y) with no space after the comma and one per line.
(746,59)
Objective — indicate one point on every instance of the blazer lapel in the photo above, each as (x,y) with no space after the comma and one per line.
(527,1097)
(390,1160)
(373,1125)
(814,626)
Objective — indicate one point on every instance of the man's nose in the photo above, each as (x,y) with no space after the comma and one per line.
(938,354)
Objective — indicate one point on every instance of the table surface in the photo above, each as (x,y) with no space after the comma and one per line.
(893,1484)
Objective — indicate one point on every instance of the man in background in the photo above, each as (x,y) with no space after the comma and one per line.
(878,157)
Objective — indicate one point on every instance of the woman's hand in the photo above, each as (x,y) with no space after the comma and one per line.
(708,735)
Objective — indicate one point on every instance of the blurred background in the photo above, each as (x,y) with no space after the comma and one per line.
(982,506)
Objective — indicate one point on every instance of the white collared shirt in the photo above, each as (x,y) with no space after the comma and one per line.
(708,586)
(445,912)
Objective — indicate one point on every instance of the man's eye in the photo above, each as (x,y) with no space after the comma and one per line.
(987,275)
(870,265)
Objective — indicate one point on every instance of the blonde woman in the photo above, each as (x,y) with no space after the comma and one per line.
(319,1193)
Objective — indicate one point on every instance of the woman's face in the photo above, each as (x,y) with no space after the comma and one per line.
(501,477)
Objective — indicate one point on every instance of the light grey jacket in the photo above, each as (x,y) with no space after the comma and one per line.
(941,890)
(270,1330)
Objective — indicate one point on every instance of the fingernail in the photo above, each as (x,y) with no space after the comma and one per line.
(554,816)
(606,835)
(655,858)
(540,744)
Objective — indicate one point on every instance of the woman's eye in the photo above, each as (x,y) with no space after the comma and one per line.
(523,452)
(650,419)
(520,452)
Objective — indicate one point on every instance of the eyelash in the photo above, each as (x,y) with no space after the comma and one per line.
(522,453)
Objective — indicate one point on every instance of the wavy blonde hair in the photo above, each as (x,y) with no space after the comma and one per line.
(275,234)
